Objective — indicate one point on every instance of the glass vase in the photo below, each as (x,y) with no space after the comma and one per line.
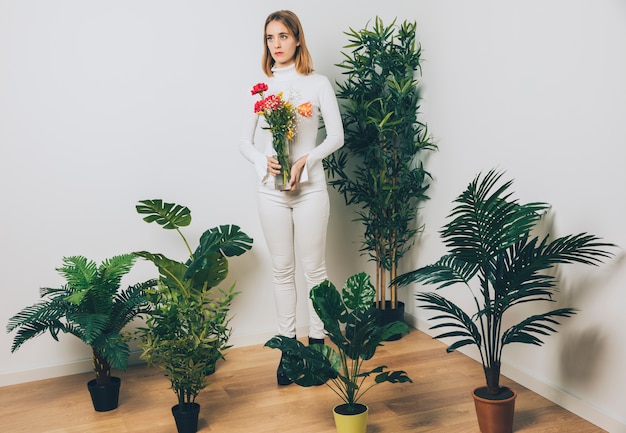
(281,147)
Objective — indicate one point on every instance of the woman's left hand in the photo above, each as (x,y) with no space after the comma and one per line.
(296,172)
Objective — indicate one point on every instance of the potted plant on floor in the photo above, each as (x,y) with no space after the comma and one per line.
(352,324)
(490,242)
(379,168)
(90,306)
(188,329)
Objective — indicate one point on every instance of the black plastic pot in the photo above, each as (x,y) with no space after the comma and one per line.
(186,421)
(389,315)
(105,397)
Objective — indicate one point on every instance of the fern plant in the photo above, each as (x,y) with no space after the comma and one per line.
(89,306)
(491,243)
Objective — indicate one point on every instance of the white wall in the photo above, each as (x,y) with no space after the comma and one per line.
(104,103)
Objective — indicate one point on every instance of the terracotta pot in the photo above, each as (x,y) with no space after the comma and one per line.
(495,415)
(350,423)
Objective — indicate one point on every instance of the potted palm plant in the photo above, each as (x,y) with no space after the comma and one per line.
(90,306)
(352,324)
(188,329)
(379,169)
(491,243)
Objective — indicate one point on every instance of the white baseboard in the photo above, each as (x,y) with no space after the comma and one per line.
(49,372)
(85,366)
(59,370)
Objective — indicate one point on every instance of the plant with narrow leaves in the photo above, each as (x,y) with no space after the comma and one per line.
(489,239)
(352,324)
(89,306)
(188,329)
(379,169)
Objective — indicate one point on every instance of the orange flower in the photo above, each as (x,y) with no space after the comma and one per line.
(305,109)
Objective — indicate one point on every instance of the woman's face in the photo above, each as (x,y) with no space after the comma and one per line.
(281,43)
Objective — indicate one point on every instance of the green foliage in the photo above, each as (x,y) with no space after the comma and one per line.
(188,329)
(489,240)
(186,335)
(170,216)
(341,369)
(89,306)
(379,169)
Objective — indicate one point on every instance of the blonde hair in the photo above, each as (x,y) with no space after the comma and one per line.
(303,61)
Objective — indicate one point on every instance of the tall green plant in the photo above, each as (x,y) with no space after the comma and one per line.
(490,243)
(90,306)
(188,329)
(379,169)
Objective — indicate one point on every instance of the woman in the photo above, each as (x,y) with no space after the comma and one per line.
(294,222)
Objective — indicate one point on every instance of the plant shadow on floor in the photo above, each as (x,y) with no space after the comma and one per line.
(524,418)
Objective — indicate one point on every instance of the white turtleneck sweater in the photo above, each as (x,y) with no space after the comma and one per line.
(256,143)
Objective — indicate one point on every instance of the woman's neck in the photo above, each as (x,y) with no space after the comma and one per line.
(284,71)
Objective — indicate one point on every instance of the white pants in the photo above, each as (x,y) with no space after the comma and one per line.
(295,224)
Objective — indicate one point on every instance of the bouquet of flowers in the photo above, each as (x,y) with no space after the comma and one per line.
(280,116)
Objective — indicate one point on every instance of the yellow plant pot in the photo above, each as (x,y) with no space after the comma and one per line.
(350,423)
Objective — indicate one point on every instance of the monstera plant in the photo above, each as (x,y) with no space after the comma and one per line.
(352,324)
(188,329)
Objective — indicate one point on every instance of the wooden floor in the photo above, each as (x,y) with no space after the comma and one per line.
(244,398)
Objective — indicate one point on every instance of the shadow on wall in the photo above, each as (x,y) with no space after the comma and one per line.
(576,288)
(343,243)
(579,355)
(580,350)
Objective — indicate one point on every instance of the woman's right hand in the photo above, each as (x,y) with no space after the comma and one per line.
(273,167)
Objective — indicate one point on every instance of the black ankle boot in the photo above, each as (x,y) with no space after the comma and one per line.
(281,377)
(313,341)
(316,341)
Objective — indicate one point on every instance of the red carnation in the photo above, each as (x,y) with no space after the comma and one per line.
(259,88)
(259,106)
(272,102)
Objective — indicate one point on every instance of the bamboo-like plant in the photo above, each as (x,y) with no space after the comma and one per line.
(188,329)
(90,306)
(379,169)
(491,243)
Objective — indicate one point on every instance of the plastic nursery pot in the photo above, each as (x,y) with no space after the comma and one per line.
(105,397)
(187,421)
